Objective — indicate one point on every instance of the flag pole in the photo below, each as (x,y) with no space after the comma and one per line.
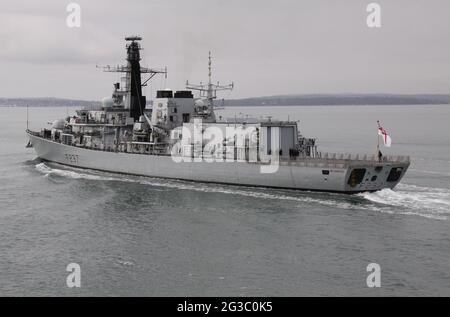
(378,138)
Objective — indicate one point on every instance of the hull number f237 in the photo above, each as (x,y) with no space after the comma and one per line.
(71,159)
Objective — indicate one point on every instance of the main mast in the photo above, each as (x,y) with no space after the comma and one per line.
(134,100)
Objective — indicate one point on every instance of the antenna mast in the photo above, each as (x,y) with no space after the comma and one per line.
(209,91)
(135,101)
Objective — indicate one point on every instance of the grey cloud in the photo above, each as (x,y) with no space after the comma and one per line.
(266,47)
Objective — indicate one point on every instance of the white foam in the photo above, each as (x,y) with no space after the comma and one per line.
(406,199)
(43,168)
(414,200)
(199,187)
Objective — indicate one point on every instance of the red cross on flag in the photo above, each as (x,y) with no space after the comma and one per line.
(386,138)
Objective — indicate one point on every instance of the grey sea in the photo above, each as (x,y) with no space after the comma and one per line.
(155,237)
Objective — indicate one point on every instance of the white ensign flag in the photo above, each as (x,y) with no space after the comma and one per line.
(385,136)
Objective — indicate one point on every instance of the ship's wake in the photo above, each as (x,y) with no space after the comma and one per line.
(74,173)
(406,199)
(427,202)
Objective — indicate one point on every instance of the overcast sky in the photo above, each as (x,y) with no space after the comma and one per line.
(266,47)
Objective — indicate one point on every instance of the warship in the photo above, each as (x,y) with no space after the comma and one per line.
(179,137)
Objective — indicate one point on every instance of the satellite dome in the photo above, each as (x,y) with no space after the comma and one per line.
(107,102)
(58,124)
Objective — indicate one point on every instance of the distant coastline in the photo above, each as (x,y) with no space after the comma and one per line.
(341,100)
(283,100)
(46,102)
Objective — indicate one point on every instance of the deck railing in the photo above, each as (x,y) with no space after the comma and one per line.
(362,157)
(325,159)
(341,160)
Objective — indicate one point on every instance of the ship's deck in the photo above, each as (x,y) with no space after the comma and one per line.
(322,159)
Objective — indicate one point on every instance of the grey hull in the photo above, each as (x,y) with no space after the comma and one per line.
(315,175)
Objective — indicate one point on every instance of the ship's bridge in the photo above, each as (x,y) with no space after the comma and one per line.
(172,109)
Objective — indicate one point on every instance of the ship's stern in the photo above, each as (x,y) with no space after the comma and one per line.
(374,176)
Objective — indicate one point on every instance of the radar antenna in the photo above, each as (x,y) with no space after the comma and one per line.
(209,91)
(135,101)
